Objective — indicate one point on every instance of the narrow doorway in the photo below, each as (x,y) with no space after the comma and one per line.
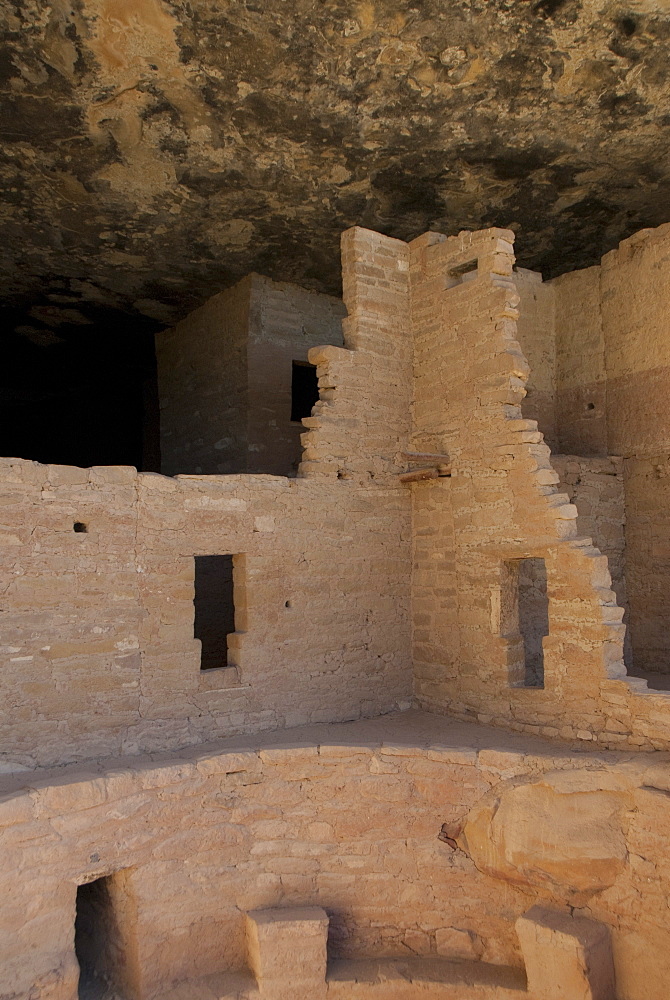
(103,938)
(533,618)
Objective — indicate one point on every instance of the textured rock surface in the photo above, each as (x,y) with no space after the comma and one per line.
(154,153)
(564,832)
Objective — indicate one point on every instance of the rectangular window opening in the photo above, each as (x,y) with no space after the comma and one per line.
(304,389)
(525,604)
(214,608)
(101,934)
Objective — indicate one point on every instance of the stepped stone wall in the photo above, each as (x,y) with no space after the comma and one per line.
(501,505)
(598,343)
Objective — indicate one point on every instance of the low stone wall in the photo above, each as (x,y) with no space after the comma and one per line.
(418,837)
(98,626)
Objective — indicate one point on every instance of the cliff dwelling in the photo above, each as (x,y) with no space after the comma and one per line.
(335,501)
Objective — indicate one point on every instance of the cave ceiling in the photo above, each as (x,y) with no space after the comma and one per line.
(155,151)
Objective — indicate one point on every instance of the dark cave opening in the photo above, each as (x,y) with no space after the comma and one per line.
(80,396)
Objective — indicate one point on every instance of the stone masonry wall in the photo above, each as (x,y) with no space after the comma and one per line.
(581,403)
(202,386)
(225,377)
(285,322)
(362,423)
(613,348)
(636,322)
(535,330)
(98,647)
(595,486)
(647,482)
(500,505)
(415,844)
(98,635)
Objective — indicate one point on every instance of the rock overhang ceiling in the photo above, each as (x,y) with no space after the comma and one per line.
(154,152)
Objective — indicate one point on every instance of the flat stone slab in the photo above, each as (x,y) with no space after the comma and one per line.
(434,978)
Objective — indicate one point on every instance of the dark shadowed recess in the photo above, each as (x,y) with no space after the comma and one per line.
(80,395)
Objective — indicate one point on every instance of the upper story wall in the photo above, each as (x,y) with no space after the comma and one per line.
(634,283)
(613,346)
(202,386)
(612,333)
(581,401)
(535,330)
(365,390)
(225,377)
(598,345)
(285,322)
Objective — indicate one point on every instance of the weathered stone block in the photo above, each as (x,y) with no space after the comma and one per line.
(567,958)
(287,952)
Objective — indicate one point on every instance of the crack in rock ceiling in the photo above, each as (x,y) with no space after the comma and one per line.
(155,152)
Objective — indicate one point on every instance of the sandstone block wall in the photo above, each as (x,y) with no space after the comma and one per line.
(99,645)
(225,377)
(647,486)
(613,382)
(535,331)
(99,651)
(202,386)
(98,635)
(416,845)
(581,400)
(285,323)
(596,487)
(362,423)
(502,505)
